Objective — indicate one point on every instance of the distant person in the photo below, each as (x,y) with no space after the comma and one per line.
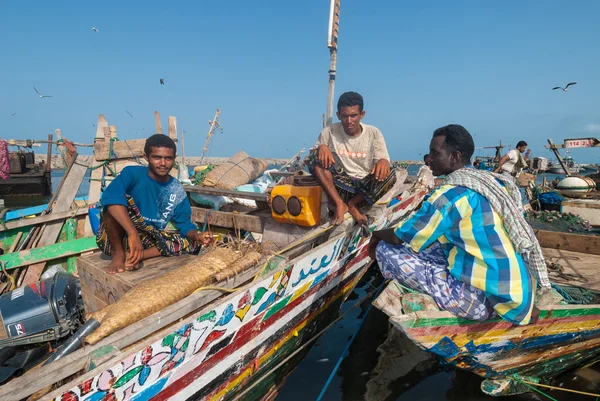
(350,161)
(468,246)
(513,162)
(138,205)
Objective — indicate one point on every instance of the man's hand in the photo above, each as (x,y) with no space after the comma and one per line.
(204,238)
(325,156)
(372,245)
(136,250)
(381,170)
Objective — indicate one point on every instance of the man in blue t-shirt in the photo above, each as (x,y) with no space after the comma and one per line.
(138,205)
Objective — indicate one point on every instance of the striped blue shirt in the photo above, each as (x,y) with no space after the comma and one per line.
(479,251)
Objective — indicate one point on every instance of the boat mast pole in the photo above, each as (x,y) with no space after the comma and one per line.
(213,124)
(332,39)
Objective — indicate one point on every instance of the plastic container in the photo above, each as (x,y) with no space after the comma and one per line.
(94,216)
(296,205)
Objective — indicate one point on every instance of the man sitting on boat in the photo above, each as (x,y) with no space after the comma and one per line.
(512,163)
(351,161)
(138,205)
(469,246)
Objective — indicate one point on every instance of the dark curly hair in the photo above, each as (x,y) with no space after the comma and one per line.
(349,99)
(457,139)
(521,143)
(159,141)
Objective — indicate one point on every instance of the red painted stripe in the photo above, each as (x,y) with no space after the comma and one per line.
(191,376)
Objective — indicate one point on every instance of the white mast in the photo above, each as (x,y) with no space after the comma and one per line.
(332,39)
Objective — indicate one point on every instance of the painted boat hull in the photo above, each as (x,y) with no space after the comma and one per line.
(563,338)
(230,347)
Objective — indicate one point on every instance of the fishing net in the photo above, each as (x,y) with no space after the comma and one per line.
(553,220)
(201,173)
(240,169)
(155,294)
(574,295)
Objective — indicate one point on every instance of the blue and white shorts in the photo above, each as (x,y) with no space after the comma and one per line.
(427,272)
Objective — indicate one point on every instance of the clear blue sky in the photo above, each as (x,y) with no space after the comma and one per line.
(489,66)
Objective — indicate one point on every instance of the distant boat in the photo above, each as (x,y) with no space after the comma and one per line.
(555,167)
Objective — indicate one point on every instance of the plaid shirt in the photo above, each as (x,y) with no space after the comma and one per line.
(479,251)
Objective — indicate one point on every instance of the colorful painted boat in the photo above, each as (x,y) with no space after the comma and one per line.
(240,346)
(509,357)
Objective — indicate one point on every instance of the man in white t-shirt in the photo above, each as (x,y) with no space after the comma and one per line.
(351,161)
(513,162)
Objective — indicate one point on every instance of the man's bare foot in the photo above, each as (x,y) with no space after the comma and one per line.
(360,218)
(117,264)
(340,211)
(130,267)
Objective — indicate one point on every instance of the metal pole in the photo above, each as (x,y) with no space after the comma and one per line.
(332,39)
(331,91)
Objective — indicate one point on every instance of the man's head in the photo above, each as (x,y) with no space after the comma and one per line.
(451,148)
(160,152)
(350,112)
(522,146)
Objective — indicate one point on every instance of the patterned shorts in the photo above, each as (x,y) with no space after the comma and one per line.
(169,244)
(427,272)
(347,186)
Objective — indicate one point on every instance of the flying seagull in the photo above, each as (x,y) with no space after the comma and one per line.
(39,94)
(162,81)
(566,87)
(128,113)
(95,29)
(13,114)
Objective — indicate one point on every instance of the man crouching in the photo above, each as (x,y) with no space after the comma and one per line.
(138,205)
(351,161)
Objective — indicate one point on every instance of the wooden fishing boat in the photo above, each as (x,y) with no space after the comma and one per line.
(510,357)
(223,343)
(27,178)
(238,338)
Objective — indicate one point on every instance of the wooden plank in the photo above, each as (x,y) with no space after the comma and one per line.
(44,219)
(226,192)
(246,222)
(589,244)
(97,173)
(157,122)
(49,154)
(172,127)
(121,149)
(49,252)
(70,185)
(15,242)
(113,131)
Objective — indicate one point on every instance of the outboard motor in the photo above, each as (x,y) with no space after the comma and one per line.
(32,317)
(45,311)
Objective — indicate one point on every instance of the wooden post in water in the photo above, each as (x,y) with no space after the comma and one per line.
(334,22)
(49,154)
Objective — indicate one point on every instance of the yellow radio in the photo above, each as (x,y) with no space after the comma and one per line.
(300,205)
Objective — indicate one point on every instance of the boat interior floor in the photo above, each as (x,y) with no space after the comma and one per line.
(573,268)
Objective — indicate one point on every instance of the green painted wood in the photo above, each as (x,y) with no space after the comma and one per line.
(7,238)
(71,228)
(50,252)
(423,321)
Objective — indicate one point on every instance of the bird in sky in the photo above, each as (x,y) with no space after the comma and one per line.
(128,113)
(39,94)
(565,88)
(95,29)
(13,114)
(162,81)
